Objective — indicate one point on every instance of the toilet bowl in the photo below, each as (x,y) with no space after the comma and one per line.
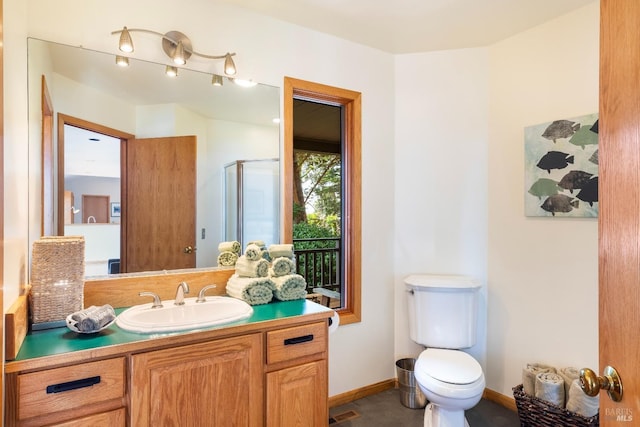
(443,318)
(452,381)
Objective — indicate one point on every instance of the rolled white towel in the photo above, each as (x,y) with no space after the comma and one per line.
(227,259)
(550,388)
(253,290)
(580,403)
(93,318)
(529,373)
(281,250)
(290,287)
(247,268)
(568,374)
(282,266)
(253,252)
(232,246)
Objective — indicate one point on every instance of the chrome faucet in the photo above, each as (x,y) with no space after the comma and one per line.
(156,299)
(201,297)
(183,288)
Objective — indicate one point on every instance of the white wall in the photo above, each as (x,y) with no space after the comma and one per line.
(268,50)
(441,175)
(543,272)
(459,192)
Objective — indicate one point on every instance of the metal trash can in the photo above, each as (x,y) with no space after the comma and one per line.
(410,394)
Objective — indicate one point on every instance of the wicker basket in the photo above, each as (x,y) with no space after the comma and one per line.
(57,279)
(534,412)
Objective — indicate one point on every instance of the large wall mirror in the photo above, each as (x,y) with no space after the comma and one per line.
(110,126)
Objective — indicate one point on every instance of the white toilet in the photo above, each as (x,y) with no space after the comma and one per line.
(443,312)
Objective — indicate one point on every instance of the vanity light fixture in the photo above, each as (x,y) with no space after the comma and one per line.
(216,80)
(122,61)
(171,71)
(176,45)
(243,83)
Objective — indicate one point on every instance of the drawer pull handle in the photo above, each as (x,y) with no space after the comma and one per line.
(298,340)
(72,385)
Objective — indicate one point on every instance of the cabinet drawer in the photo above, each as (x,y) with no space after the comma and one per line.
(115,418)
(299,341)
(63,389)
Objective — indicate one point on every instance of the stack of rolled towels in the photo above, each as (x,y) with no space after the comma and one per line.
(93,318)
(560,387)
(229,253)
(258,280)
(289,285)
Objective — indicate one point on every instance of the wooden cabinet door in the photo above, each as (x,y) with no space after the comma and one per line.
(217,383)
(297,396)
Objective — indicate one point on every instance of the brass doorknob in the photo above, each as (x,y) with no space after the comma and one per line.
(188,250)
(591,383)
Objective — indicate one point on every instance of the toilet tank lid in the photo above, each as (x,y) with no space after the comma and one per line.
(442,281)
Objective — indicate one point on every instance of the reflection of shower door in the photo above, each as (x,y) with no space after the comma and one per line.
(159,211)
(96,208)
(252,201)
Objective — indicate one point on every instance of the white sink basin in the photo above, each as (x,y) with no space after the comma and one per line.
(172,318)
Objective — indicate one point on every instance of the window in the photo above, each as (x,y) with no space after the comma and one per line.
(349,104)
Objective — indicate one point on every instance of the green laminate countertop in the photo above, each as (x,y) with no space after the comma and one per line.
(57,341)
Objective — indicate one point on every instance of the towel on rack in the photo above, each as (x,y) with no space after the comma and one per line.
(253,252)
(529,373)
(231,246)
(550,388)
(568,374)
(282,266)
(580,403)
(93,318)
(289,287)
(227,259)
(247,268)
(253,290)
(281,250)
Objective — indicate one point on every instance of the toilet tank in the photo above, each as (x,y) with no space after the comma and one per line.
(443,310)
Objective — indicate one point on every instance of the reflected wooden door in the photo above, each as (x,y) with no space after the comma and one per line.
(159,211)
(95,209)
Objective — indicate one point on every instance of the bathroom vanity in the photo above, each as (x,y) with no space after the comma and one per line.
(269,370)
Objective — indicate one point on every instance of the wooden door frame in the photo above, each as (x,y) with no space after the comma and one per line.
(124,137)
(47,222)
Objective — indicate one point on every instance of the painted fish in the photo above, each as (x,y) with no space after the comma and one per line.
(560,129)
(544,187)
(554,160)
(594,157)
(574,180)
(589,192)
(559,203)
(584,137)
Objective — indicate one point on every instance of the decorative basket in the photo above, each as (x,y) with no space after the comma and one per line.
(57,279)
(534,412)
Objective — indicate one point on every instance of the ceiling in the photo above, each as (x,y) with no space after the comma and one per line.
(409,26)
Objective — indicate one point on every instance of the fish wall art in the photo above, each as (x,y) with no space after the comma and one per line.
(561,168)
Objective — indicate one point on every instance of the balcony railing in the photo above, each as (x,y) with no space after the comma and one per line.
(318,261)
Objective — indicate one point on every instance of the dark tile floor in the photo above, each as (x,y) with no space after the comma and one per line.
(385,410)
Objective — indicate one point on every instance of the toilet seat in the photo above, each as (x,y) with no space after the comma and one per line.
(449,373)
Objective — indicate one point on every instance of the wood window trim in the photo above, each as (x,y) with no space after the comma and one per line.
(351,104)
